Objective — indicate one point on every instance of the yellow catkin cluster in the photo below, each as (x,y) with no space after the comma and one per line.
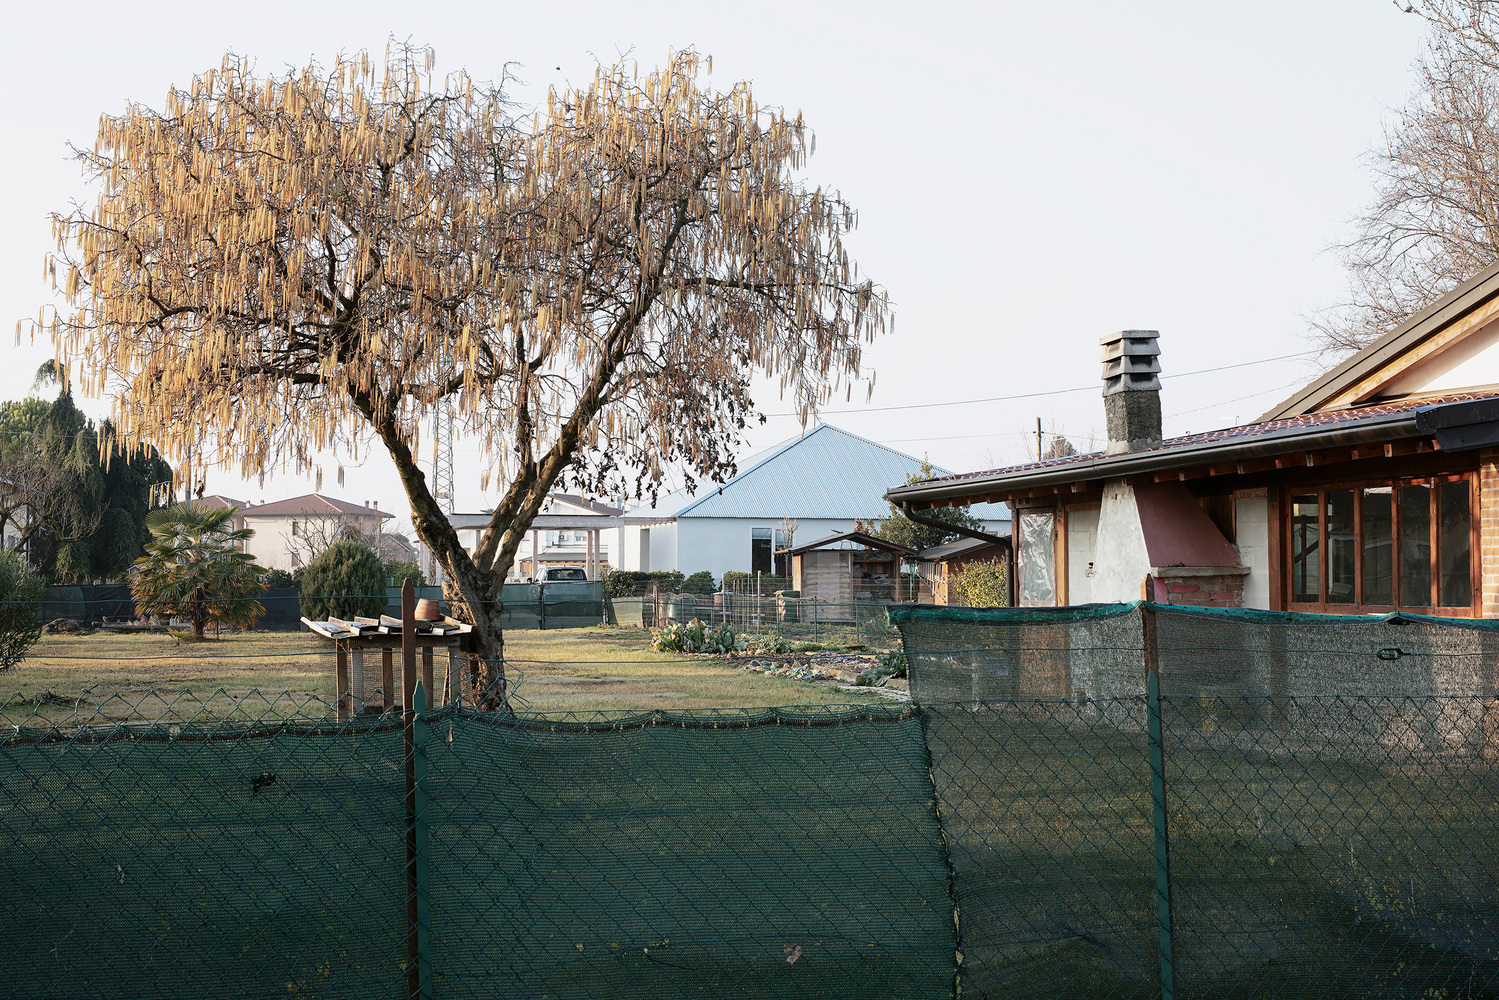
(276,265)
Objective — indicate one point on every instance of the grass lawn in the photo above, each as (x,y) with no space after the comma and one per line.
(139,675)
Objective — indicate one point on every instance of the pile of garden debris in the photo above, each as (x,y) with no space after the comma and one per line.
(68,626)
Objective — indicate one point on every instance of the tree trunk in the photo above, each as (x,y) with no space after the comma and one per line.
(474,597)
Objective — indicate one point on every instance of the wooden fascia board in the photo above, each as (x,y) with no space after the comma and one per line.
(1399,365)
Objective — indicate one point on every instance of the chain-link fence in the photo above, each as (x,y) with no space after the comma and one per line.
(1104,802)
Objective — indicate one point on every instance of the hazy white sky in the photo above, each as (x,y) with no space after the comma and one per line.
(1029,176)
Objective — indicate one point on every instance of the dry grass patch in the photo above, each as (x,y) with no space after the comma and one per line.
(581,670)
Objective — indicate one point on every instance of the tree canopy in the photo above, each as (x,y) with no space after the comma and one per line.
(901,530)
(78,508)
(1434,219)
(279,263)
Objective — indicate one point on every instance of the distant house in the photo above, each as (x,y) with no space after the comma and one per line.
(1374,488)
(290,533)
(822,483)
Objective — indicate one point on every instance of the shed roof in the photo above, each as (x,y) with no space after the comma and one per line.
(826,473)
(863,538)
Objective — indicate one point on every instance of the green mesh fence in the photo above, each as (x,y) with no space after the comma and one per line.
(1285,806)
(744,853)
(1324,824)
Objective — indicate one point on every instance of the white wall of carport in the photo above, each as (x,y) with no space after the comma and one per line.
(1252,535)
(1082,542)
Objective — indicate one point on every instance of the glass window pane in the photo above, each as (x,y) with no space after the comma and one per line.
(1306,549)
(760,555)
(1454,544)
(1341,547)
(1415,546)
(1379,537)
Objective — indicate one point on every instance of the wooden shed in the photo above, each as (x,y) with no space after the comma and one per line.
(851,567)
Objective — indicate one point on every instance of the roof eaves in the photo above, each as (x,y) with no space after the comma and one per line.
(1389,426)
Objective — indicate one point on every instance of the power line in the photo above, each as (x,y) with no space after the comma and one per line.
(1052,392)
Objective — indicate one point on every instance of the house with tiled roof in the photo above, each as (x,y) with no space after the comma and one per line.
(1373,488)
(821,483)
(290,533)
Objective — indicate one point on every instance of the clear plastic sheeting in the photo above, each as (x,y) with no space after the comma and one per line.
(1038,558)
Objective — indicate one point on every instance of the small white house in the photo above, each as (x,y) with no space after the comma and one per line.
(822,483)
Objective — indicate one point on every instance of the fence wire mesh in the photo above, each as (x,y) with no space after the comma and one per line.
(1294,807)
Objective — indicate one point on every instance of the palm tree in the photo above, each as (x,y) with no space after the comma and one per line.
(193,569)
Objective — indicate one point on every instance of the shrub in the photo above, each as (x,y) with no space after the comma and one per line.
(345,580)
(395,572)
(20,615)
(632,583)
(980,585)
(701,582)
(697,637)
(280,579)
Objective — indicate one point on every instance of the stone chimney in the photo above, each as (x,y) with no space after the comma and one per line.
(1132,390)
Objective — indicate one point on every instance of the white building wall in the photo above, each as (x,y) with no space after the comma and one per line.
(271,543)
(1252,530)
(1082,541)
(722,544)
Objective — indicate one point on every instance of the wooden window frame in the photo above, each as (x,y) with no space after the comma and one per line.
(1286,497)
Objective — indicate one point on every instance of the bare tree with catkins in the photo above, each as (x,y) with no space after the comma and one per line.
(1434,221)
(281,264)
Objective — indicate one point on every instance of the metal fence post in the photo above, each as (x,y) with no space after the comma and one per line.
(1158,802)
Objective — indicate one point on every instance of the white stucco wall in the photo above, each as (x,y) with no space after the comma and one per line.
(1252,531)
(1082,540)
(1120,562)
(1470,364)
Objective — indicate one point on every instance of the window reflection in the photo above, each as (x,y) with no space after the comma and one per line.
(1415,546)
(1454,544)
(1378,539)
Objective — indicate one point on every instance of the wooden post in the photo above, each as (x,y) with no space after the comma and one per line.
(409,710)
(408,646)
(387,678)
(341,678)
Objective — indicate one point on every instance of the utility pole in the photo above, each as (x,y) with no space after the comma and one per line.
(1038,439)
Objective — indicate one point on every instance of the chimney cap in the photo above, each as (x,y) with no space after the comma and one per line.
(1140,335)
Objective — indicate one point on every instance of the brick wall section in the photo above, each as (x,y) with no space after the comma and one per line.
(1226,591)
(1488,529)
